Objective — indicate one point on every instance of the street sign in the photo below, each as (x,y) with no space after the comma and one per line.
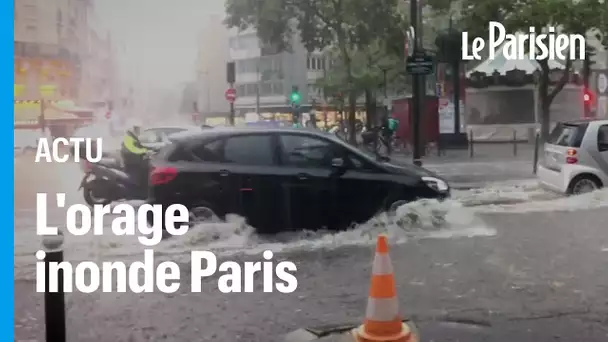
(230,95)
(420,64)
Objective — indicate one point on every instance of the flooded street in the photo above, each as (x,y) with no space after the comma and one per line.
(507,253)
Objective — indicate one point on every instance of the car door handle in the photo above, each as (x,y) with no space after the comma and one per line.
(224,173)
(303,176)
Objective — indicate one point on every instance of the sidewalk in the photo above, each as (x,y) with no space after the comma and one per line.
(491,163)
(481,152)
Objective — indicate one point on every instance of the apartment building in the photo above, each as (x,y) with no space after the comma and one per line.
(61,52)
(265,77)
(98,64)
(48,39)
(213,54)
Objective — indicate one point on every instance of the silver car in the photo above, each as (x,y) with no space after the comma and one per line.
(157,137)
(575,157)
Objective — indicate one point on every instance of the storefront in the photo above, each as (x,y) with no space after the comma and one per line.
(325,117)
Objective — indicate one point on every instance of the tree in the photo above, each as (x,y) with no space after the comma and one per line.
(344,25)
(368,67)
(574,17)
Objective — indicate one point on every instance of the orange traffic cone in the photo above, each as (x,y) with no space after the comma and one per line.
(382,321)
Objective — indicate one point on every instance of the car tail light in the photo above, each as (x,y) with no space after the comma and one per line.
(162,175)
(570,156)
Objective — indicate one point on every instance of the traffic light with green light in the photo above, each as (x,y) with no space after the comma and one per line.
(295,95)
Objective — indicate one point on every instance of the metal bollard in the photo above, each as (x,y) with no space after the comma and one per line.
(536,147)
(515,143)
(54,302)
(471,143)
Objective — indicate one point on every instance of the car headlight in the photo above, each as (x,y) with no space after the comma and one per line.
(436,183)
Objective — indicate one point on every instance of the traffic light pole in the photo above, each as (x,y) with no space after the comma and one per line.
(456,87)
(417,84)
(231,118)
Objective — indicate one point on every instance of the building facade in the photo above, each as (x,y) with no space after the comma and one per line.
(49,36)
(213,54)
(58,56)
(265,77)
(98,71)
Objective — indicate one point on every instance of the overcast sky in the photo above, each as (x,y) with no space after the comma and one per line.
(160,36)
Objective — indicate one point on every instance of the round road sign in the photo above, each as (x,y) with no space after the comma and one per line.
(602,83)
(230,94)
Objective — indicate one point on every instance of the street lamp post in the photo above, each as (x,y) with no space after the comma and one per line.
(418,88)
(207,89)
(257,86)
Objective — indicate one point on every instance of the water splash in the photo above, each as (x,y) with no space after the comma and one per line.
(455,218)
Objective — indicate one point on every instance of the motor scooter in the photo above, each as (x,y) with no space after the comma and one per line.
(106,182)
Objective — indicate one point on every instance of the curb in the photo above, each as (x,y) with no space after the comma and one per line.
(485,184)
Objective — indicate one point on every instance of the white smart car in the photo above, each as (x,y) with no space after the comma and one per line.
(575,157)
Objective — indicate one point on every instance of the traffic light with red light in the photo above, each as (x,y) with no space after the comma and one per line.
(588,96)
(588,101)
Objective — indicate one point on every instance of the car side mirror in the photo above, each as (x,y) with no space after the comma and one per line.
(603,147)
(337,163)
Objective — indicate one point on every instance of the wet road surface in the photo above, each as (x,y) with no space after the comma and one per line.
(541,277)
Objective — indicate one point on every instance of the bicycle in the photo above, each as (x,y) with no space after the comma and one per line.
(375,138)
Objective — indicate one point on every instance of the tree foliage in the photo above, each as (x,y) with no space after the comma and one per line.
(345,26)
(574,17)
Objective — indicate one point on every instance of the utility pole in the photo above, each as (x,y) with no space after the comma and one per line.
(208,95)
(385,86)
(207,82)
(257,87)
(231,78)
(417,84)
(455,36)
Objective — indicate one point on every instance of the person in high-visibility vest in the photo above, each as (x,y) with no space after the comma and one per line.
(133,155)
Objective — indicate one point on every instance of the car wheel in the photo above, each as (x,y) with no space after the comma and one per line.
(584,184)
(202,213)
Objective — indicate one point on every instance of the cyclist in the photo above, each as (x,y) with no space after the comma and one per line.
(389,130)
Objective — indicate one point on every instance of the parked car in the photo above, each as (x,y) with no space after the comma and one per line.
(154,138)
(158,136)
(575,157)
(283,178)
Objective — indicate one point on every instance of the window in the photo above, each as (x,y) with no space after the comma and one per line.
(149,137)
(209,151)
(266,89)
(277,88)
(570,135)
(170,130)
(303,151)
(602,138)
(249,150)
(359,164)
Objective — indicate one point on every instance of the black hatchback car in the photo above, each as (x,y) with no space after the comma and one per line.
(284,179)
